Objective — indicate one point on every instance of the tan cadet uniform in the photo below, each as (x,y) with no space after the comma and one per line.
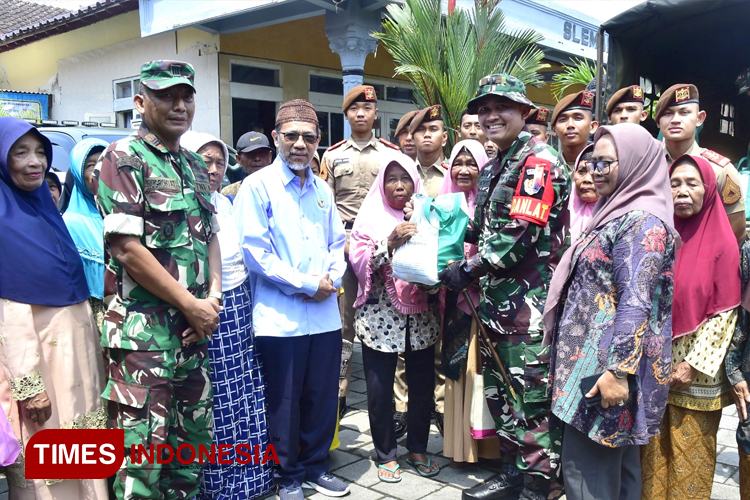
(727,177)
(432,176)
(350,168)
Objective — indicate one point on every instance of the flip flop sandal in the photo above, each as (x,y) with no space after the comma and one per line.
(393,479)
(422,473)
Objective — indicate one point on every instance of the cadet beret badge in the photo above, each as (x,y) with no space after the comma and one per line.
(542,114)
(637,92)
(434,112)
(370,94)
(682,94)
(587,99)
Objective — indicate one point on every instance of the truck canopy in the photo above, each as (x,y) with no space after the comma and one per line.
(704,42)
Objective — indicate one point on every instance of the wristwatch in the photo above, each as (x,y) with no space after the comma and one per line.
(216,295)
(621,374)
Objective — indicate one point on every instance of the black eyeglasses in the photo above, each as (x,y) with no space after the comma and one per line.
(601,166)
(294,137)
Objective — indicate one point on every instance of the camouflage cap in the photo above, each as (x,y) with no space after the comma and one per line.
(743,81)
(501,85)
(158,75)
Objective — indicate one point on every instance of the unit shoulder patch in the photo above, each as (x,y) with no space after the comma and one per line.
(715,157)
(389,144)
(534,194)
(731,193)
(130,161)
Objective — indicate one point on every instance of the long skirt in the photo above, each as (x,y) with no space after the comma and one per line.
(679,463)
(58,347)
(239,403)
(458,443)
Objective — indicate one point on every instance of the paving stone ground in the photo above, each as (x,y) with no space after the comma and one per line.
(355,462)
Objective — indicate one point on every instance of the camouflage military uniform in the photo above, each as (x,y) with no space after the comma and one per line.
(159,392)
(520,227)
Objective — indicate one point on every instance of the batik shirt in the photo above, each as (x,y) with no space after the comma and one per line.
(617,315)
(163,198)
(520,227)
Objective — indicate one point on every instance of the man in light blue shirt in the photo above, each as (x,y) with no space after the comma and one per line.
(292,241)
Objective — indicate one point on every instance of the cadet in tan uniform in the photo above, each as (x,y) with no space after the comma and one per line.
(536,122)
(573,122)
(678,114)
(404,137)
(430,136)
(626,105)
(350,167)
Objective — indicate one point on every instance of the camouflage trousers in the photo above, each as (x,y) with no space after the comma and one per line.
(160,397)
(523,424)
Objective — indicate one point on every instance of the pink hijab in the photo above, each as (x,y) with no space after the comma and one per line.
(374,223)
(580,211)
(476,149)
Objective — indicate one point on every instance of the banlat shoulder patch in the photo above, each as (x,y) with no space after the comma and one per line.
(389,144)
(534,194)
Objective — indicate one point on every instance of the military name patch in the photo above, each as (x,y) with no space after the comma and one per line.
(161,184)
(202,187)
(339,161)
(129,161)
(534,193)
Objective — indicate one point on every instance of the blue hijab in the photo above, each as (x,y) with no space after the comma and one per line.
(39,263)
(83,220)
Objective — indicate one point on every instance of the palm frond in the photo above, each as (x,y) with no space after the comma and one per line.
(445,57)
(580,73)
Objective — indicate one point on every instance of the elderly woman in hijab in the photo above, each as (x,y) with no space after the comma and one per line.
(49,347)
(609,318)
(236,371)
(460,351)
(393,317)
(680,461)
(584,197)
(85,223)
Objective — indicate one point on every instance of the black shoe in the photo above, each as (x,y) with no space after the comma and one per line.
(342,408)
(507,484)
(440,422)
(535,488)
(399,423)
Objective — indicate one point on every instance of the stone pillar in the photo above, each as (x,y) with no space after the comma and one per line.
(348,31)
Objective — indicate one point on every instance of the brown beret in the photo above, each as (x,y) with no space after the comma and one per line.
(676,95)
(429,114)
(538,116)
(297,110)
(580,100)
(404,122)
(634,93)
(360,93)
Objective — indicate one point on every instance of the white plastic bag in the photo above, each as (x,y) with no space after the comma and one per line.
(417,260)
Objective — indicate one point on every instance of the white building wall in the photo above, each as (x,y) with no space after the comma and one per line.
(84,85)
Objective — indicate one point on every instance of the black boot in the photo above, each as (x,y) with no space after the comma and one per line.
(534,488)
(505,485)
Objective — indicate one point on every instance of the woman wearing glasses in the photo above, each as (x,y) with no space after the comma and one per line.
(608,317)
(680,461)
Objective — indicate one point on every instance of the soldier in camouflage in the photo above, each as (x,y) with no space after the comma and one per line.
(164,269)
(520,228)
